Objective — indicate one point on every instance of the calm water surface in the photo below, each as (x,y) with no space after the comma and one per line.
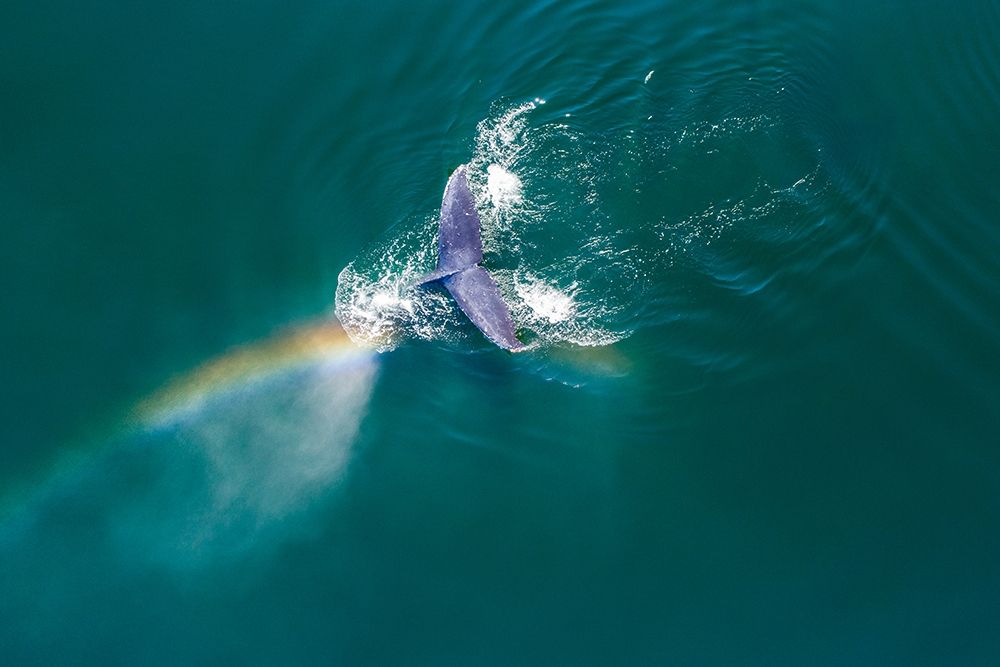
(755,247)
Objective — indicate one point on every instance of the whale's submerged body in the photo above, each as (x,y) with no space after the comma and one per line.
(460,249)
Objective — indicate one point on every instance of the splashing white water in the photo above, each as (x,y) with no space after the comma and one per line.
(373,312)
(546,301)
(503,187)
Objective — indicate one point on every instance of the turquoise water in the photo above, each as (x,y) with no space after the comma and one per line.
(754,247)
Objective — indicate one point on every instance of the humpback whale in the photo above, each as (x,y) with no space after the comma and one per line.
(460,250)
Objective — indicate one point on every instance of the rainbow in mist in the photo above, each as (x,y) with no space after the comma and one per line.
(328,377)
(318,344)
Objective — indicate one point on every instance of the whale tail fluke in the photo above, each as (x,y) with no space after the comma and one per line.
(431,277)
(478,296)
(460,249)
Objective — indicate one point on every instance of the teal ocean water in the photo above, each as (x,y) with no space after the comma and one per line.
(754,246)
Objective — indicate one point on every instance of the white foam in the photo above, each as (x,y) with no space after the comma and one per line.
(500,139)
(372,312)
(503,187)
(545,300)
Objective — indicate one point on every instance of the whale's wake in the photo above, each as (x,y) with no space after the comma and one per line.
(578,227)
